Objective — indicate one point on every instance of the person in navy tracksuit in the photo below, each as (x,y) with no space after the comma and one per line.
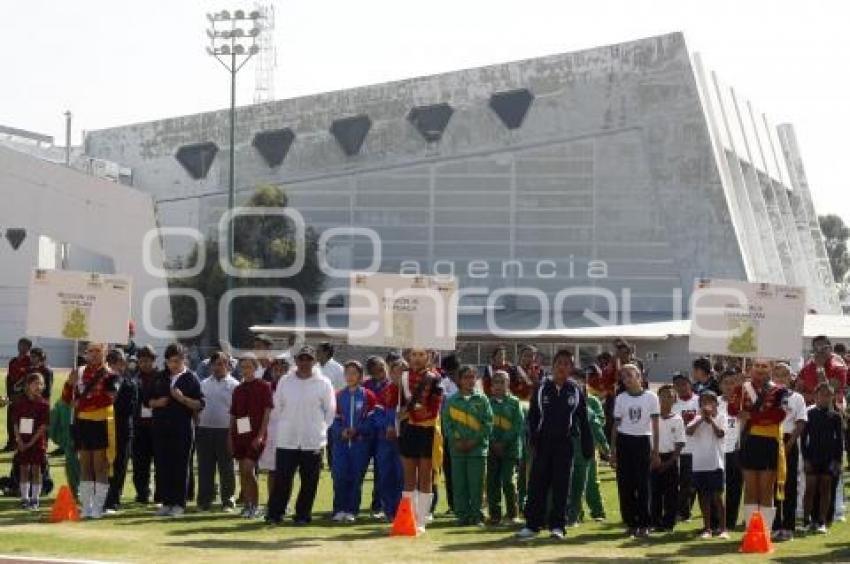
(390,474)
(378,379)
(351,433)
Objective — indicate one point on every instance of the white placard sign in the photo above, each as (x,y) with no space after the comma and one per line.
(82,306)
(396,310)
(747,319)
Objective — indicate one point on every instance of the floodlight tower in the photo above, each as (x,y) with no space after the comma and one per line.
(267,57)
(233,47)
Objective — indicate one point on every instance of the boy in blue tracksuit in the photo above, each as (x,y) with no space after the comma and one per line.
(389,475)
(351,434)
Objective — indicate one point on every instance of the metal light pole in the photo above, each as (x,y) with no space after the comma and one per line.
(226,45)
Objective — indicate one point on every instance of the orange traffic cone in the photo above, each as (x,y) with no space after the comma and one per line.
(64,508)
(756,539)
(404,524)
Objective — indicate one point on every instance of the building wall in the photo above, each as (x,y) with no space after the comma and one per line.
(103,222)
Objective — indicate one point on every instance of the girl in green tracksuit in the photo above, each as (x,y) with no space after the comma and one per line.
(585,482)
(505,449)
(467,424)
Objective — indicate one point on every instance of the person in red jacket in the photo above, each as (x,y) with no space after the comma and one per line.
(527,373)
(498,361)
(420,440)
(31,415)
(823,366)
(759,405)
(19,368)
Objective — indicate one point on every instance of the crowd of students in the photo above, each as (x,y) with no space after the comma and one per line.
(517,440)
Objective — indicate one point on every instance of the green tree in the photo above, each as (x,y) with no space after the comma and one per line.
(835,235)
(262,242)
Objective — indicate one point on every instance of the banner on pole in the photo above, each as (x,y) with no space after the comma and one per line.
(396,310)
(747,319)
(83,306)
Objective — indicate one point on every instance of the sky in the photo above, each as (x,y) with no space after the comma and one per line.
(114,63)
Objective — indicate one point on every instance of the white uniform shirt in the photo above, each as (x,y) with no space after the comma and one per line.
(733,430)
(707,447)
(688,409)
(671,431)
(635,413)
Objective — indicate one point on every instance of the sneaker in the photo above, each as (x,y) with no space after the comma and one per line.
(821,530)
(380,515)
(301,521)
(246,511)
(338,517)
(25,504)
(556,534)
(776,535)
(33,505)
(723,535)
(176,511)
(110,511)
(350,518)
(642,533)
(228,508)
(526,534)
(599,519)
(631,532)
(272,521)
(705,535)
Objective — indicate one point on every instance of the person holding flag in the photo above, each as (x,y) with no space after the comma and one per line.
(759,405)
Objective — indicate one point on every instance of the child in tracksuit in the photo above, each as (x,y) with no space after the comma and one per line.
(664,478)
(389,476)
(505,449)
(822,453)
(584,482)
(351,434)
(468,422)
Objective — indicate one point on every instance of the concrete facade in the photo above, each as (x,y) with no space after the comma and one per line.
(104,224)
(633,172)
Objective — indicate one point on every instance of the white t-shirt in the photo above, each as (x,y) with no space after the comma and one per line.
(671,431)
(707,447)
(635,413)
(733,431)
(688,409)
(795,410)
(334,372)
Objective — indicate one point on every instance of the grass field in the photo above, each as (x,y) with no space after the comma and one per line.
(135,535)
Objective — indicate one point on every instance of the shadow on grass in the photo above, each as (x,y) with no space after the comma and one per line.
(276,544)
(509,540)
(840,552)
(240,544)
